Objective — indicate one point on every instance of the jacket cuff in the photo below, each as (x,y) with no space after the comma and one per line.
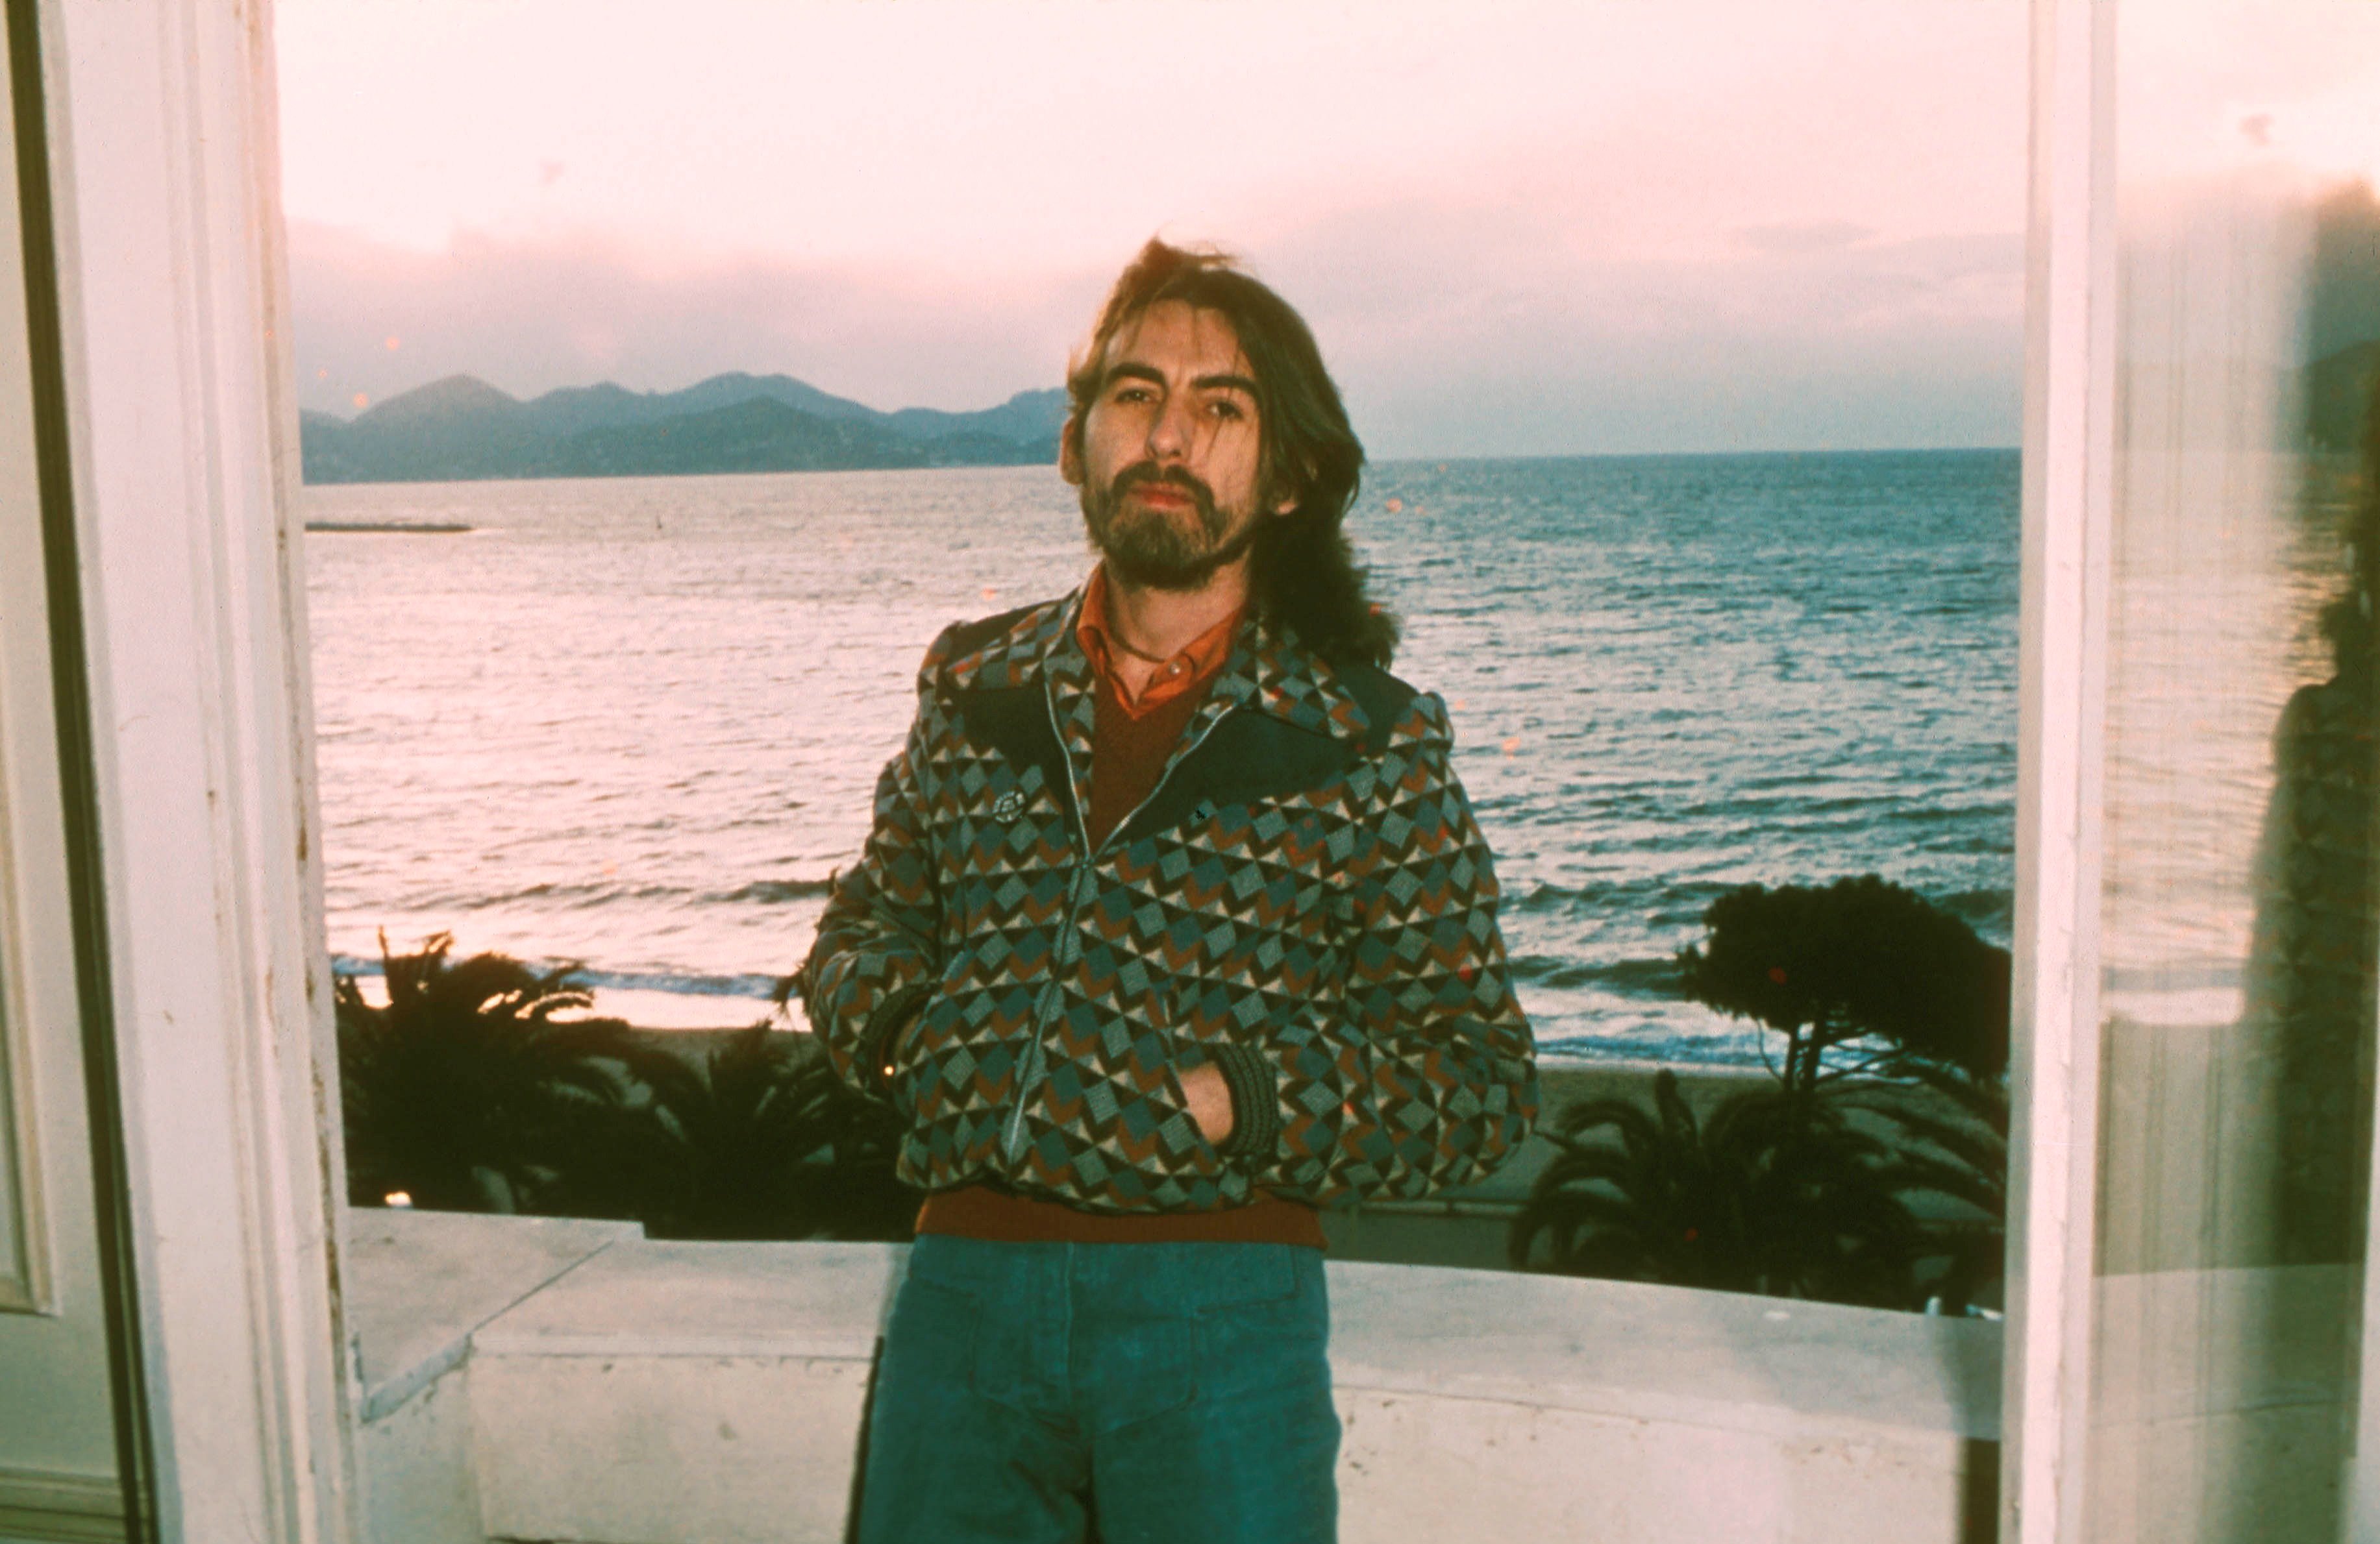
(1256,1101)
(873,1053)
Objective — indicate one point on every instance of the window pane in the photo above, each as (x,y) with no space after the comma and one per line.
(2238,939)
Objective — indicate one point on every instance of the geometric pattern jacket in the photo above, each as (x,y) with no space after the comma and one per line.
(1304,901)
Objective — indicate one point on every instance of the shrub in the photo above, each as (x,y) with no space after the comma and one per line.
(467,1091)
(471,1091)
(1758,1201)
(764,1141)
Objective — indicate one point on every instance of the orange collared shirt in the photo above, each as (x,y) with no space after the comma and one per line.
(1201,657)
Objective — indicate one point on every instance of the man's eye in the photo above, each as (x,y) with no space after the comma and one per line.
(1226,409)
(1133,393)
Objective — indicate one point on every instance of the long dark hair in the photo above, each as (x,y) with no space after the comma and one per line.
(1301,571)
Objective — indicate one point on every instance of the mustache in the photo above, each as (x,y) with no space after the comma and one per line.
(1148,471)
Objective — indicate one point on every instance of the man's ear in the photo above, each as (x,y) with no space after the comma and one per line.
(1070,450)
(1287,501)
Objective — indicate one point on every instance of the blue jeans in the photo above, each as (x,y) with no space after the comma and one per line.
(1138,1394)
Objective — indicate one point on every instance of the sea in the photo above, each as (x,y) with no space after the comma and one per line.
(635,723)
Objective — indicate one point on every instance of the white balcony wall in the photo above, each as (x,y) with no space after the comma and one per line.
(535,1379)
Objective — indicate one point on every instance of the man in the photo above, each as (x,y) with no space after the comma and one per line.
(1173,925)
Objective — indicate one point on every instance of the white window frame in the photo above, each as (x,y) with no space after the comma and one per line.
(174,292)
(2054,1077)
(182,438)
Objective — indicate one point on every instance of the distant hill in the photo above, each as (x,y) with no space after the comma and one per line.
(461,429)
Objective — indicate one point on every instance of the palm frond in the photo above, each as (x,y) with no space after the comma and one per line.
(1772,1192)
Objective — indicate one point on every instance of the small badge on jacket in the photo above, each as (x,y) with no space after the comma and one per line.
(1008,807)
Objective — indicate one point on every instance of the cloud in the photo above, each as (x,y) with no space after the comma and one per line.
(1802,236)
(1459,329)
(1520,207)
(1454,327)
(531,316)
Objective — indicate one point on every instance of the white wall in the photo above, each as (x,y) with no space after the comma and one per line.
(711,1392)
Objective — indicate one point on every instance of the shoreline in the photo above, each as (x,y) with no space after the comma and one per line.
(1564,1066)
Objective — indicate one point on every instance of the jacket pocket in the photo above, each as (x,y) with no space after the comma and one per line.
(916,1056)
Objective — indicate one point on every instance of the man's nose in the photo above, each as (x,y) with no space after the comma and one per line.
(1173,429)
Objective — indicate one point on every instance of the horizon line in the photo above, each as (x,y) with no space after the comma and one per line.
(1413,457)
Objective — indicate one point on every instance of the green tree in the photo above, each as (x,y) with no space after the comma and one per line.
(1863,965)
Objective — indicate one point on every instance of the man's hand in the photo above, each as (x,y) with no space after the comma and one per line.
(1209,1099)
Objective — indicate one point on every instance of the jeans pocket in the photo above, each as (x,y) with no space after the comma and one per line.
(1265,1347)
(929,1351)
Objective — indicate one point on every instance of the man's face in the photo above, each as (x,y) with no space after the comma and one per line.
(1168,454)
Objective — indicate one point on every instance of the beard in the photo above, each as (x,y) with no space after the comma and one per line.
(1153,549)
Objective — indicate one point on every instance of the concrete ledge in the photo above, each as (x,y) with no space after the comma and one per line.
(705,1393)
(1544,1407)
(656,1298)
(420,1283)
(419,1286)
(713,1393)
(533,1378)
(1661,1352)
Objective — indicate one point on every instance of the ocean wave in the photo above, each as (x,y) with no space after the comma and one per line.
(1716,1050)
(683,983)
(579,895)
(584,894)
(1650,898)
(1625,978)
(771,892)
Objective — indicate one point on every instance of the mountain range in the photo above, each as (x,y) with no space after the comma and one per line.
(461,428)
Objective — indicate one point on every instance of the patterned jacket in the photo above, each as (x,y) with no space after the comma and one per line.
(1303,900)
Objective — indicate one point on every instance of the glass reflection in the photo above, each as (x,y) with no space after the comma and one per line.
(2239,938)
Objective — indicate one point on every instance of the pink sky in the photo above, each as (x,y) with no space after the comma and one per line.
(1517,228)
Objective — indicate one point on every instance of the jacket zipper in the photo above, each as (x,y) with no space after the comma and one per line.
(1077,891)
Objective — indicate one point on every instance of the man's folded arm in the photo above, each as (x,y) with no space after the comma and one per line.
(1425,1077)
(877,952)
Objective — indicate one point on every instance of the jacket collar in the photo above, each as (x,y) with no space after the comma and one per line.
(1270,670)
